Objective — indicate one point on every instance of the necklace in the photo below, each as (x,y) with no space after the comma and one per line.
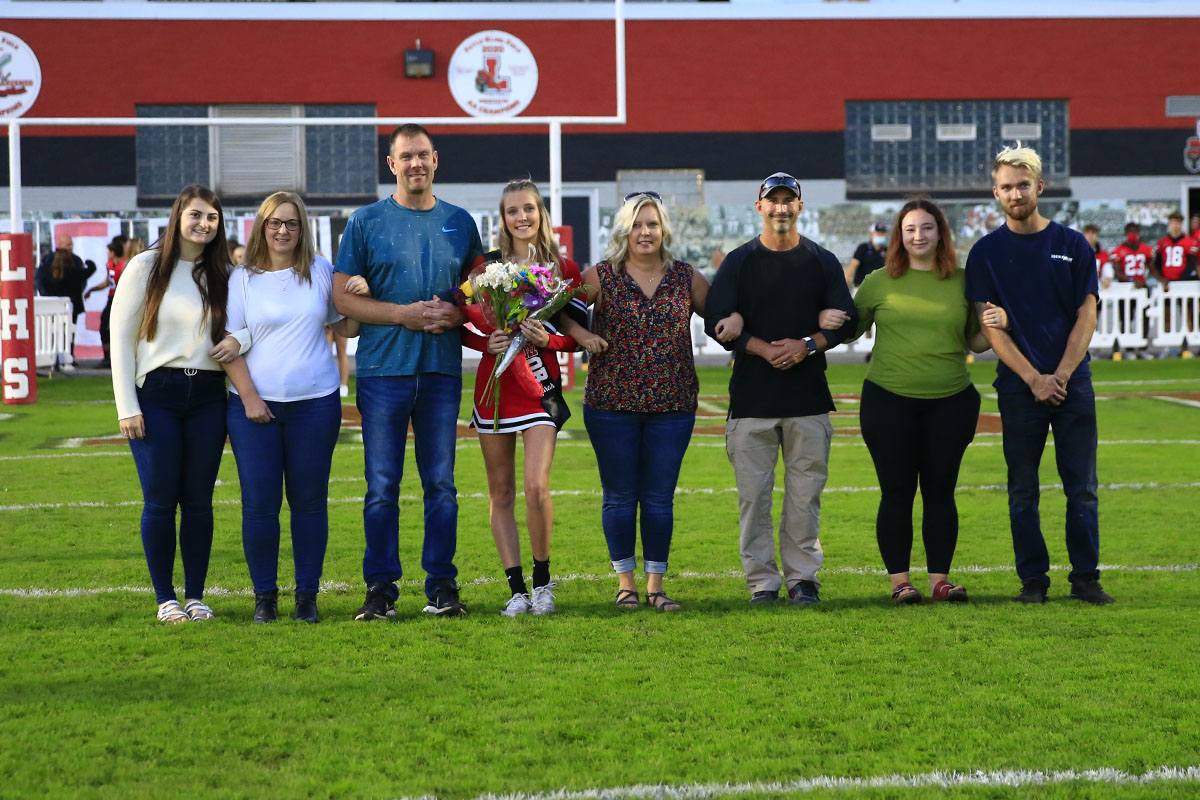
(283,277)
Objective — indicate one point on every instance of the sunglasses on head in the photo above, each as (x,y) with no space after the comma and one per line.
(783,180)
(651,195)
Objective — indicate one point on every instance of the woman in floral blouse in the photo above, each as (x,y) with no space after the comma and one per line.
(640,401)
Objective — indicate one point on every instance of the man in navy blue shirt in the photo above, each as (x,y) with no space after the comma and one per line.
(412,249)
(1044,276)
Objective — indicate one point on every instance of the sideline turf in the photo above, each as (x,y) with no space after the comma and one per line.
(98,700)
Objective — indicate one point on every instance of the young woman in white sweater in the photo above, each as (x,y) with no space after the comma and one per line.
(167,313)
(286,409)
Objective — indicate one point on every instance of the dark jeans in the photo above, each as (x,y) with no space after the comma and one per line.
(388,404)
(917,441)
(294,449)
(1074,423)
(177,464)
(639,456)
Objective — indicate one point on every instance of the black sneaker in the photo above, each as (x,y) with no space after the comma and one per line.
(377,605)
(1088,590)
(266,606)
(764,598)
(1031,592)
(445,602)
(804,593)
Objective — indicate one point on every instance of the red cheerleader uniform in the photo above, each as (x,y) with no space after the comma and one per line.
(528,377)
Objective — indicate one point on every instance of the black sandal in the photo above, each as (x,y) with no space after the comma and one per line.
(627,598)
(660,601)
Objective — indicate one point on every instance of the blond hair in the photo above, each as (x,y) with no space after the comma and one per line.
(258,255)
(1019,156)
(545,248)
(618,245)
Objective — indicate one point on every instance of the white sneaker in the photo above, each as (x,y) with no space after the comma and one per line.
(68,367)
(543,599)
(517,604)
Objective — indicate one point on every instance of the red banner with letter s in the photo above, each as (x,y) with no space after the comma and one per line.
(18,355)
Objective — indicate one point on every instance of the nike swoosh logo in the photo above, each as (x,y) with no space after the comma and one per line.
(449,230)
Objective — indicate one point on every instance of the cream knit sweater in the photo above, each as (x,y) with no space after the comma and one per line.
(182,340)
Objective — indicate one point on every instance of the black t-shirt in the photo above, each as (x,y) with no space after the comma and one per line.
(869,260)
(779,295)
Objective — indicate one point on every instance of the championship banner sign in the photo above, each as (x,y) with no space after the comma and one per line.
(18,355)
(20,76)
(493,74)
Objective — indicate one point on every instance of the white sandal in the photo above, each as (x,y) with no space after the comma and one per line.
(172,613)
(197,611)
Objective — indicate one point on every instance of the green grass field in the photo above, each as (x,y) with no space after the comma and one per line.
(855,698)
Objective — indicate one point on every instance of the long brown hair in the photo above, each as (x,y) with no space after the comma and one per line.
(210,272)
(258,256)
(944,259)
(62,260)
(545,249)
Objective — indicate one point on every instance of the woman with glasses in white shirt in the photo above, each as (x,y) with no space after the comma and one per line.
(285,410)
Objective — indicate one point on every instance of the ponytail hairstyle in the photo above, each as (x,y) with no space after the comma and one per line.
(210,272)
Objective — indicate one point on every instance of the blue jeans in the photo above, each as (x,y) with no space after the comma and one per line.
(639,456)
(177,464)
(388,404)
(295,448)
(1025,425)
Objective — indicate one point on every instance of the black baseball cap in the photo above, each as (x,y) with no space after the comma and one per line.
(779,179)
(879,227)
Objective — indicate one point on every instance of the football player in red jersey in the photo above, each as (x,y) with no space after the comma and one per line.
(1131,257)
(1194,226)
(1104,268)
(1175,255)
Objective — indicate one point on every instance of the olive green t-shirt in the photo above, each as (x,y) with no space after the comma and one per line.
(922,324)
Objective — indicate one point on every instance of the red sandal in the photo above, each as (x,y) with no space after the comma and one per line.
(948,592)
(905,594)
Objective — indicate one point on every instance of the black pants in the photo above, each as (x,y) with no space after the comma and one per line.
(917,441)
(104,317)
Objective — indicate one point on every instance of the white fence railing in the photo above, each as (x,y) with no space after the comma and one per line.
(52,325)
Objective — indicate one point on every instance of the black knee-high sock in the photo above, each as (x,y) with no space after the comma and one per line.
(541,573)
(516,580)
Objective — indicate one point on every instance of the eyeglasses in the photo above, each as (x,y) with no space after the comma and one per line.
(274,224)
(651,195)
(786,181)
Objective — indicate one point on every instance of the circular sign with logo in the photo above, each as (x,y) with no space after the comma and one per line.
(493,74)
(20,76)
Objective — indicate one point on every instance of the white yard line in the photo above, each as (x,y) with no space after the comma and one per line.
(1002,779)
(413,498)
(1179,400)
(342,587)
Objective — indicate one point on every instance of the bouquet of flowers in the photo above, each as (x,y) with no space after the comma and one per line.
(507,294)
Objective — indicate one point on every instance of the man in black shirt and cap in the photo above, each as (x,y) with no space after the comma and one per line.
(868,257)
(778,397)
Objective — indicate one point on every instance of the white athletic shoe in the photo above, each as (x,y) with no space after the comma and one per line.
(517,604)
(543,599)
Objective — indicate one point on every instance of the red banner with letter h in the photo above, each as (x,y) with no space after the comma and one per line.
(18,352)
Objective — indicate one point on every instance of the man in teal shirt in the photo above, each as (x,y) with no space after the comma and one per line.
(412,249)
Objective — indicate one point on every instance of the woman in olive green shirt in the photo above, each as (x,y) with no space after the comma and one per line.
(919,408)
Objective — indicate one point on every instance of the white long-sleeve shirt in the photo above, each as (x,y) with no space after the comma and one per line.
(182,339)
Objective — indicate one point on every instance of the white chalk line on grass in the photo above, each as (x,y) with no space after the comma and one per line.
(1178,400)
(413,498)
(342,587)
(925,780)
(471,444)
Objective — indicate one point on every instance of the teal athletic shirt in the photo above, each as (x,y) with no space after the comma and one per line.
(406,256)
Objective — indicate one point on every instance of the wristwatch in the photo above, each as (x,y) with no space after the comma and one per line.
(810,344)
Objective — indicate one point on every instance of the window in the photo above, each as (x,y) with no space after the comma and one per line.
(894,147)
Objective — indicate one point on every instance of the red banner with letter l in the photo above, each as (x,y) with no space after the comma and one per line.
(18,353)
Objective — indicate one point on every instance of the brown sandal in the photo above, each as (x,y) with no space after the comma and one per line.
(948,592)
(906,595)
(627,599)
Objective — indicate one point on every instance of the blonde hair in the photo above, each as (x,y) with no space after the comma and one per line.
(545,248)
(134,246)
(258,255)
(1019,156)
(618,245)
